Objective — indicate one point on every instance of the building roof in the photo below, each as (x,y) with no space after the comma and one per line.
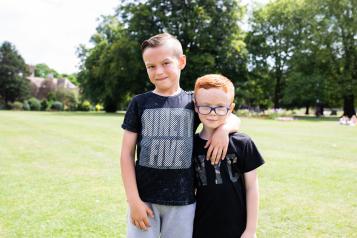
(65,83)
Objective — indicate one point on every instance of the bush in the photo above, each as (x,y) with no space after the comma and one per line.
(35,104)
(243,113)
(16,106)
(99,107)
(26,106)
(51,96)
(275,113)
(57,106)
(68,98)
(71,107)
(268,114)
(44,105)
(85,106)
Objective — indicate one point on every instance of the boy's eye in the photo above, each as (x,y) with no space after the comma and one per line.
(150,67)
(166,63)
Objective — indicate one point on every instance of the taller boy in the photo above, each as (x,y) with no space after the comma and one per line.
(160,124)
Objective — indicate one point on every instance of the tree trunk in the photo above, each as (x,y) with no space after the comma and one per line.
(110,105)
(348,105)
(307,107)
(319,111)
(277,92)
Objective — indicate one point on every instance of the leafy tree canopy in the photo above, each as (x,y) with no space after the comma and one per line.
(112,71)
(13,71)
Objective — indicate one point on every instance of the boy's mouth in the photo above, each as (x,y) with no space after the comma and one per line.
(160,79)
(211,119)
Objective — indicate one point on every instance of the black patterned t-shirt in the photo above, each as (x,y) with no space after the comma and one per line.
(221,197)
(165,128)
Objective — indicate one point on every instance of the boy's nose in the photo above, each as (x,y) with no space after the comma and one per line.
(159,70)
(212,113)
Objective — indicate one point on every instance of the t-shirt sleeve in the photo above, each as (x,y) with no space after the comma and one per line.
(196,121)
(132,117)
(250,155)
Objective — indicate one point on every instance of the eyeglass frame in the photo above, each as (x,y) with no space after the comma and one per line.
(213,109)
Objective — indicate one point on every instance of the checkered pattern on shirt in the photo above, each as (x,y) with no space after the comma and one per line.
(166,138)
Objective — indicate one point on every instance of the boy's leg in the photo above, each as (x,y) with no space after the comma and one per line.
(152,232)
(177,221)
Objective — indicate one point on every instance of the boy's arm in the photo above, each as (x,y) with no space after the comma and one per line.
(139,211)
(218,143)
(252,196)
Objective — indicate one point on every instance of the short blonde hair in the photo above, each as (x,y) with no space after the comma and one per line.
(215,81)
(161,39)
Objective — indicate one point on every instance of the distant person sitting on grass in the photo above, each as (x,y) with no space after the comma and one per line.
(227,195)
(344,120)
(353,120)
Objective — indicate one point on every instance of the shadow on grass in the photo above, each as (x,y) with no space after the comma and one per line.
(74,114)
(317,119)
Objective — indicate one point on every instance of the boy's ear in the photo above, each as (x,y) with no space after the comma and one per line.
(231,108)
(196,109)
(182,61)
(194,104)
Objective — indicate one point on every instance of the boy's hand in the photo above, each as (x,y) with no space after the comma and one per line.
(248,234)
(218,145)
(139,213)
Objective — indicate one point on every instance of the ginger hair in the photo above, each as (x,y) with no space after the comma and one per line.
(215,81)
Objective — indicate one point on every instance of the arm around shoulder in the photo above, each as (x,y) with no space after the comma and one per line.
(218,143)
(233,123)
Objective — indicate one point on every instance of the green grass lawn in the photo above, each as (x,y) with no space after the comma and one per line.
(60,176)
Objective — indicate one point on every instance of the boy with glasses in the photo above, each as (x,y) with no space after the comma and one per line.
(227,193)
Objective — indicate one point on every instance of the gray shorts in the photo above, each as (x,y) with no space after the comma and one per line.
(168,222)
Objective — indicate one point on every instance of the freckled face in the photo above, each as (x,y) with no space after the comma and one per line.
(213,97)
(164,67)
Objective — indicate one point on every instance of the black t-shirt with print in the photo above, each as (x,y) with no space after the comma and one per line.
(220,196)
(165,128)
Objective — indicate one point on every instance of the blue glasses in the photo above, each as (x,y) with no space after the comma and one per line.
(220,110)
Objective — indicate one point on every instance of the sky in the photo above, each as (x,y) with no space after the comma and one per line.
(50,31)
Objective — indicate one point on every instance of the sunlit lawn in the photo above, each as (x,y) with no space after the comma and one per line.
(60,176)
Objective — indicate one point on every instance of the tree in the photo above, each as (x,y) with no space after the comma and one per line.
(307,78)
(112,71)
(208,31)
(68,98)
(325,54)
(309,49)
(73,78)
(13,83)
(338,23)
(42,70)
(107,70)
(271,42)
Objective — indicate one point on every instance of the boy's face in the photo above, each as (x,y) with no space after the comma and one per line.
(213,97)
(164,67)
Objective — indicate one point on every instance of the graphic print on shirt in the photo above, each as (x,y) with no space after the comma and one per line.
(231,163)
(217,171)
(201,170)
(167,138)
(201,174)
